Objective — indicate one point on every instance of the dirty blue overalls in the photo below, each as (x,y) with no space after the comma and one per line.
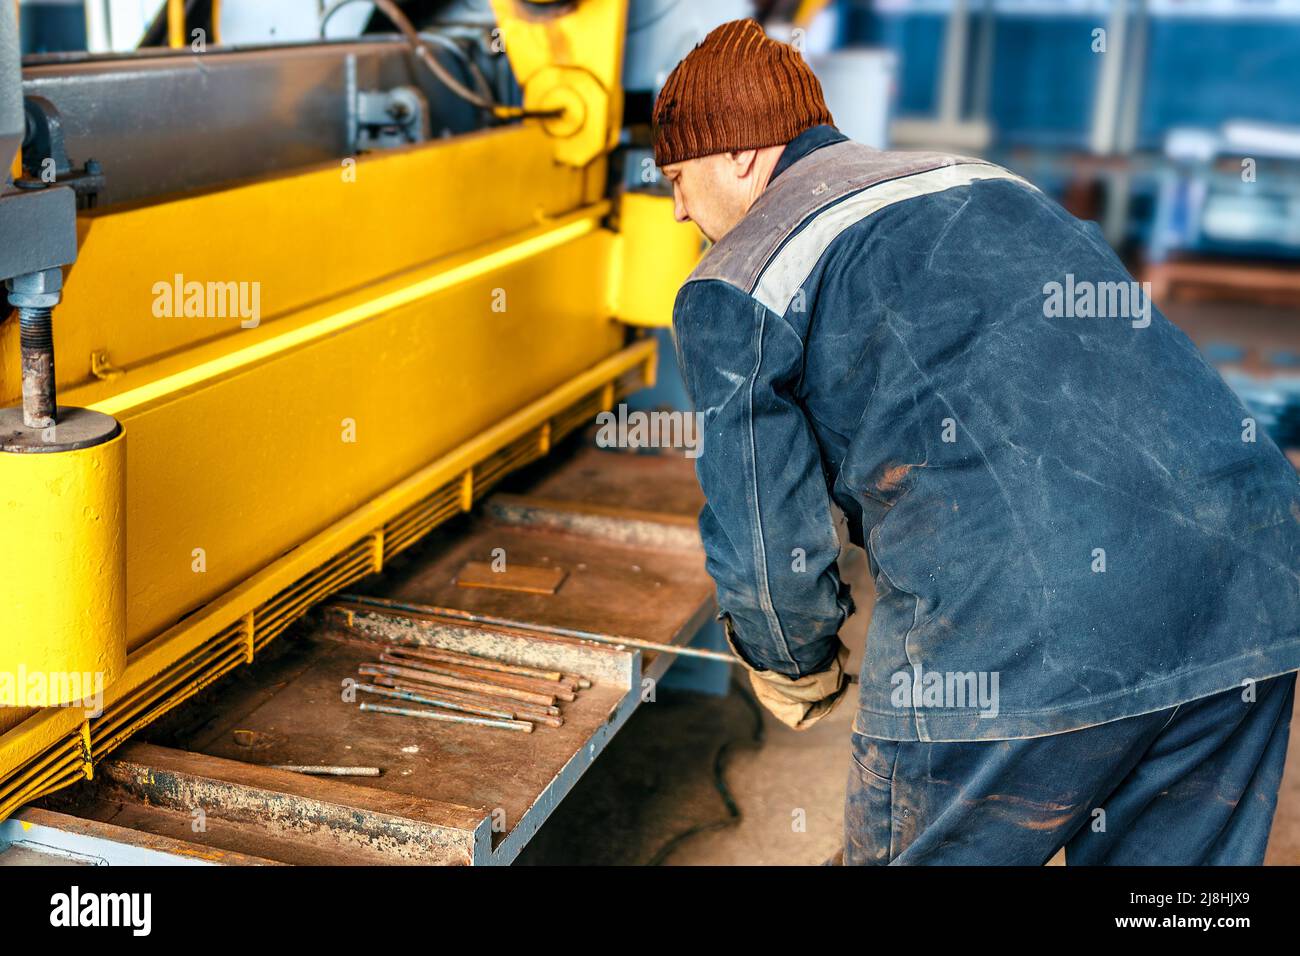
(1086,558)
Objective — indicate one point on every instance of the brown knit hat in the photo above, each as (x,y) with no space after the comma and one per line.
(738,89)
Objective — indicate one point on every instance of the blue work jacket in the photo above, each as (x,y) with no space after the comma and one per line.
(1068,516)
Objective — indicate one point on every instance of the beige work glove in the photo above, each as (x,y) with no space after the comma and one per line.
(796,702)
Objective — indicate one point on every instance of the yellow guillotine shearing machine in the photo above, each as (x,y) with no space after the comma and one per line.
(429,318)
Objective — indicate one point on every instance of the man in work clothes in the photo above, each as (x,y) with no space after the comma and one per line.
(1086,560)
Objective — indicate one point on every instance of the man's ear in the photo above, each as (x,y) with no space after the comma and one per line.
(742,162)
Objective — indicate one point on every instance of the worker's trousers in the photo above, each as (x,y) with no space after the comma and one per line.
(1195,784)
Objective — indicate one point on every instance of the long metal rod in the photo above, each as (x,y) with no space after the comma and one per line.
(551,689)
(414,698)
(315,770)
(412,671)
(550,716)
(519,725)
(520,708)
(482,663)
(397,607)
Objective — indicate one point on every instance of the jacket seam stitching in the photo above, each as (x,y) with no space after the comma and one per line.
(893,775)
(799,407)
(917,719)
(760,542)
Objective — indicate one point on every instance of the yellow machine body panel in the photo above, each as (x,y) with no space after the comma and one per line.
(305,237)
(275,452)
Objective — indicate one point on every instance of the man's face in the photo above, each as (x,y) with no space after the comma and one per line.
(714,192)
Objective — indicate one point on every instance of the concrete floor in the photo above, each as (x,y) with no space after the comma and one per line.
(656,781)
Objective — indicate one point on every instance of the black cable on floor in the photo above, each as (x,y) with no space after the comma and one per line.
(734,815)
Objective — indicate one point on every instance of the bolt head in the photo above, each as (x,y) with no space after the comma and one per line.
(36,290)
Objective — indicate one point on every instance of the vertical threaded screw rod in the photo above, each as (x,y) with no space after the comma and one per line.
(36,337)
(34,295)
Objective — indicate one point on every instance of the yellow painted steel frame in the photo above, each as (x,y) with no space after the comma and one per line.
(426,320)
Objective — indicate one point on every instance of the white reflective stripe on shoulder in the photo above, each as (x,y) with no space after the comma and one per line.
(782,278)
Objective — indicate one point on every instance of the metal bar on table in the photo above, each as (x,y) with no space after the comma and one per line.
(550,716)
(328,771)
(552,688)
(445,656)
(396,694)
(520,725)
(434,674)
(397,607)
(458,683)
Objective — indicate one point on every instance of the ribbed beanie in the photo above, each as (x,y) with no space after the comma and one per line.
(738,89)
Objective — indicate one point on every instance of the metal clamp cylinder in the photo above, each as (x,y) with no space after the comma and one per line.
(63,564)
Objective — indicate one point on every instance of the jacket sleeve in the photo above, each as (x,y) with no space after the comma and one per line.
(768,531)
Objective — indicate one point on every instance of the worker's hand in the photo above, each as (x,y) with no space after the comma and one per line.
(797,702)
